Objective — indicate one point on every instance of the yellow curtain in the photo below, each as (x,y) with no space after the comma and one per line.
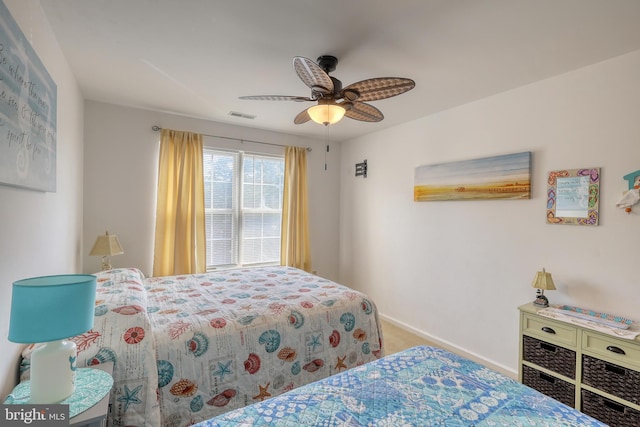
(180,231)
(294,245)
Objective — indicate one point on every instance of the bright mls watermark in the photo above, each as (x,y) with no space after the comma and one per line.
(34,415)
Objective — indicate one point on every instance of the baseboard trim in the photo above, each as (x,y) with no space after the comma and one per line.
(452,347)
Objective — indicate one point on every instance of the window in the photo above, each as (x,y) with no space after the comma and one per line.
(243,208)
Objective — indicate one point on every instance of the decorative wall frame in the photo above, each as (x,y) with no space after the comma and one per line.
(499,177)
(28,112)
(573,196)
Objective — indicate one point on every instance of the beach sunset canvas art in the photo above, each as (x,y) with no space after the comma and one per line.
(498,177)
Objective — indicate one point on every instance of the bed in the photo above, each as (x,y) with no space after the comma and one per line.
(422,386)
(187,348)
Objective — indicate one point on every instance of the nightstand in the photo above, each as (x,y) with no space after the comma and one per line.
(89,403)
(95,416)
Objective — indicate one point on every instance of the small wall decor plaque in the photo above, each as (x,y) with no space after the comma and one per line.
(573,196)
(361,169)
(28,112)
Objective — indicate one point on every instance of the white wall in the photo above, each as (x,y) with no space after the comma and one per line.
(456,271)
(40,233)
(121,160)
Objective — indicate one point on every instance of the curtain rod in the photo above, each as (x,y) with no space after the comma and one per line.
(158,128)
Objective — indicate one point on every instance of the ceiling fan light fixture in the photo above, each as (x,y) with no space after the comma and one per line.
(326,90)
(326,114)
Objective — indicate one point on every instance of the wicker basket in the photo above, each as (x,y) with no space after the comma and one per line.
(608,411)
(555,358)
(551,386)
(616,380)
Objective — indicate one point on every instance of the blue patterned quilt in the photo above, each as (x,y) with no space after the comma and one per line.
(423,386)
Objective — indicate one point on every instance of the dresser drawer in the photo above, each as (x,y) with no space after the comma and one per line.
(550,356)
(550,331)
(625,352)
(608,411)
(616,380)
(551,386)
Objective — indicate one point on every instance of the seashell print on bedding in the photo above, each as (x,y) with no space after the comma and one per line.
(196,404)
(295,368)
(165,372)
(367,306)
(104,355)
(128,310)
(287,354)
(100,310)
(278,381)
(184,388)
(252,364)
(247,320)
(296,319)
(314,365)
(198,344)
(366,348)
(223,398)
(270,339)
(359,334)
(334,338)
(207,312)
(349,321)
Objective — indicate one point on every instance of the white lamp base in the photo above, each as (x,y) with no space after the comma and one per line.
(53,372)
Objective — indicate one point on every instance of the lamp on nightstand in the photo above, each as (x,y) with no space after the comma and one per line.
(542,282)
(49,310)
(105,246)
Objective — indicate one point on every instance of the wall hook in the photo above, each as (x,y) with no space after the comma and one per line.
(361,169)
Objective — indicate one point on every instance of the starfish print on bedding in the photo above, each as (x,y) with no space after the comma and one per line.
(314,342)
(223,369)
(340,363)
(263,392)
(130,396)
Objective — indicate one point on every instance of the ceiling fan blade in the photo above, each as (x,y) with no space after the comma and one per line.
(378,88)
(363,112)
(277,98)
(312,75)
(302,117)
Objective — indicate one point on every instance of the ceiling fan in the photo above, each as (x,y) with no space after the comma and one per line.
(334,101)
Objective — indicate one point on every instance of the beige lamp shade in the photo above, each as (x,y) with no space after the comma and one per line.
(326,113)
(105,246)
(543,281)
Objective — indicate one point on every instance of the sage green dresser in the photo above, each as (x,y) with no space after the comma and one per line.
(594,372)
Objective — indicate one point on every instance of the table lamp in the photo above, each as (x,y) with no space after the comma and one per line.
(542,282)
(105,246)
(49,310)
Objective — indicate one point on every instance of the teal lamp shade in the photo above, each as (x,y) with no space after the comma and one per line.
(49,310)
(52,308)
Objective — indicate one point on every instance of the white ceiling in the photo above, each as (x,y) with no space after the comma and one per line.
(196,57)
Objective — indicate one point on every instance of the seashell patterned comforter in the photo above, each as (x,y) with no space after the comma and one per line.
(187,348)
